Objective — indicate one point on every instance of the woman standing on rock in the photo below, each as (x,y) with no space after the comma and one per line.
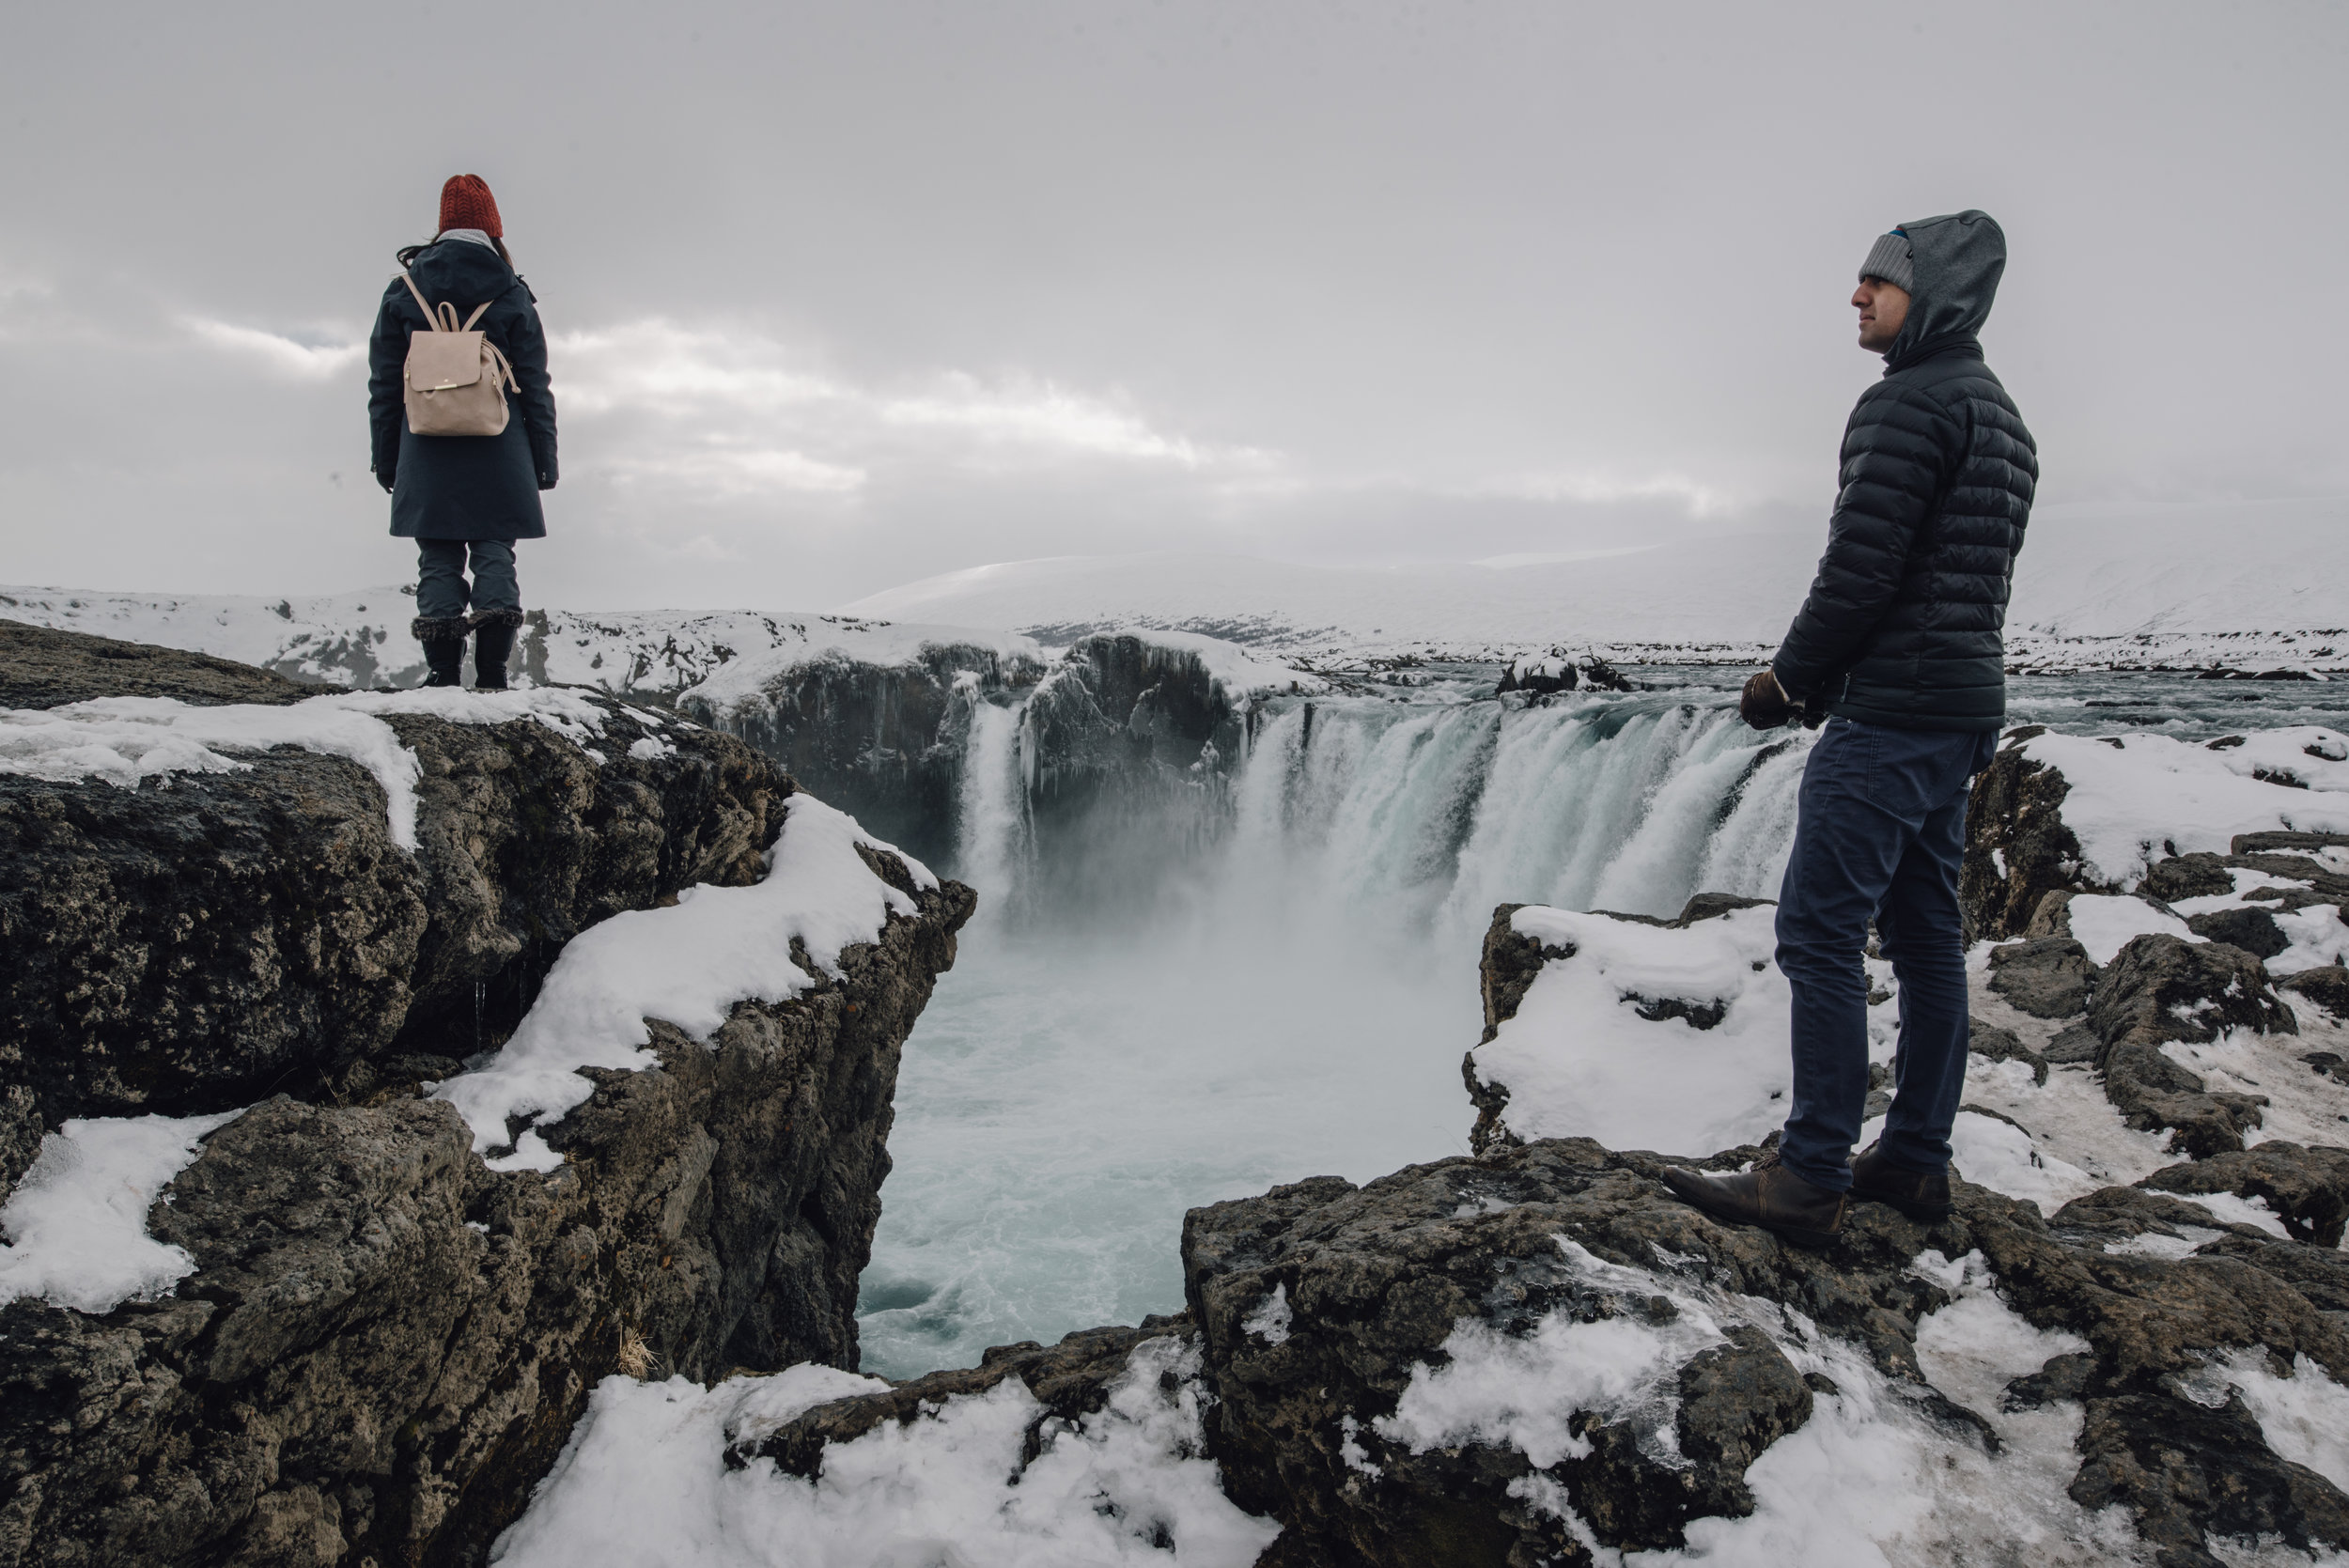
(456,337)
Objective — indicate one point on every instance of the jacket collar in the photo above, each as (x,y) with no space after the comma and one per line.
(1964,343)
(478,236)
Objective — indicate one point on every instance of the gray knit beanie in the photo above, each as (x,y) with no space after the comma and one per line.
(1890,261)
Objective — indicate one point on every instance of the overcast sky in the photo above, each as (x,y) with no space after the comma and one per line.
(845,296)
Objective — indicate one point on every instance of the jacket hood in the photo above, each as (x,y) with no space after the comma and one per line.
(460,270)
(1959,258)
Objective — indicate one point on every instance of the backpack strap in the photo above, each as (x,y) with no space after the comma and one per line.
(431,324)
(501,368)
(442,317)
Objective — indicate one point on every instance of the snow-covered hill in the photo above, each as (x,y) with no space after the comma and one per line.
(2247,586)
(361,639)
(2241,585)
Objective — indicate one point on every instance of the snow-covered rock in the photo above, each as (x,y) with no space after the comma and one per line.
(1559,670)
(1539,1355)
(1651,1034)
(1082,1456)
(321,1328)
(2096,812)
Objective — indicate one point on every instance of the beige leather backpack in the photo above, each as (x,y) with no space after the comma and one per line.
(456,379)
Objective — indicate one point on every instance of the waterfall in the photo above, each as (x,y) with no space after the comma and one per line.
(1251,968)
(991,825)
(1423,816)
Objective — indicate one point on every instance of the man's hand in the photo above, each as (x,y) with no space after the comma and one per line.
(1763,703)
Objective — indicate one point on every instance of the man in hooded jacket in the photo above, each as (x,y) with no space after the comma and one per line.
(1899,649)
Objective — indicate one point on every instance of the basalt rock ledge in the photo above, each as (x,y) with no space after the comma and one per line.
(385,1344)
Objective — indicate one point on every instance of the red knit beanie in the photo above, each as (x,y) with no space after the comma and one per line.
(466,203)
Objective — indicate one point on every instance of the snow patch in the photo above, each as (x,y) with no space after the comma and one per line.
(1607,1044)
(2138,798)
(1871,1479)
(688,965)
(644,1480)
(125,740)
(1524,1391)
(2234,1209)
(2304,1416)
(2105,926)
(76,1225)
(1270,1321)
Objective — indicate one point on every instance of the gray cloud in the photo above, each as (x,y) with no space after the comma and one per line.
(845,296)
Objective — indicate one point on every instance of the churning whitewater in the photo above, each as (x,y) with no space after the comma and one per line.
(1294,996)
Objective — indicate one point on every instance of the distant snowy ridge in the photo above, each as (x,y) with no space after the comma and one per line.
(361,639)
(2255,585)
(2248,585)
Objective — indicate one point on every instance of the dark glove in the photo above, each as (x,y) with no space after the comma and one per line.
(1764,704)
(546,481)
(386,480)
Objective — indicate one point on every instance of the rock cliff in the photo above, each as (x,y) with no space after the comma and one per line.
(381,1344)
(884,737)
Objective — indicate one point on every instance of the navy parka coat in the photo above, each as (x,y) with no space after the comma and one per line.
(1904,625)
(464,487)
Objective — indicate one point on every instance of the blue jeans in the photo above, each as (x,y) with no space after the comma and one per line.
(441,589)
(1879,834)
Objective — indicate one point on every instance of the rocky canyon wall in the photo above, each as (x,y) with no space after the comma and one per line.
(384,1342)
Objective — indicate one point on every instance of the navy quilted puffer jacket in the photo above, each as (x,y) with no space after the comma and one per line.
(1905,624)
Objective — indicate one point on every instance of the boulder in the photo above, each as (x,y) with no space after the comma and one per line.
(2326,985)
(2003,1045)
(2018,848)
(2048,977)
(1559,670)
(1398,1380)
(2160,989)
(208,938)
(1623,1041)
(2308,1188)
(41,668)
(2254,931)
(1069,1380)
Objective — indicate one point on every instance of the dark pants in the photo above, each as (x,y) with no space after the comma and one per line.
(441,589)
(1880,833)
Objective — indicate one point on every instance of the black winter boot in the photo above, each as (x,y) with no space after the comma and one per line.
(443,640)
(493,642)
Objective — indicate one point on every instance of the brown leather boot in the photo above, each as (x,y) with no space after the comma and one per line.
(1876,1179)
(1769,1195)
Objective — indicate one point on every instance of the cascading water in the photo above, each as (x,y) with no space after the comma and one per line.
(1297,1001)
(992,822)
(1233,981)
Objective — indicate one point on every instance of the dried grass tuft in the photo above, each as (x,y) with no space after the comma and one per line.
(636,1357)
